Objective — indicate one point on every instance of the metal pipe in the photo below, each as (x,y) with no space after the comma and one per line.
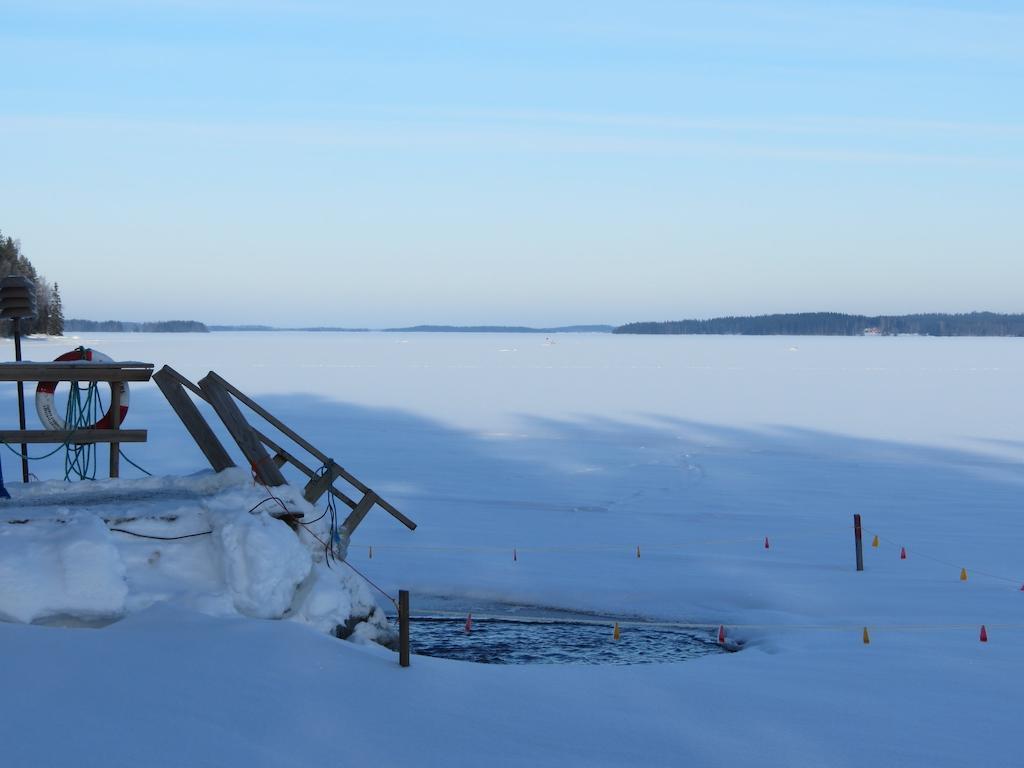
(21,399)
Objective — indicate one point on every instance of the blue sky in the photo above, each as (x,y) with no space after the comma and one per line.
(540,163)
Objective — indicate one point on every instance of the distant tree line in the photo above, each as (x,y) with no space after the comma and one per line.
(49,311)
(76,325)
(838,324)
(501,329)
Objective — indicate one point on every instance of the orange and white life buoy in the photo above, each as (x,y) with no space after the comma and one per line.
(44,393)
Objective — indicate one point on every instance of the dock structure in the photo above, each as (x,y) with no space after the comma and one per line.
(265,455)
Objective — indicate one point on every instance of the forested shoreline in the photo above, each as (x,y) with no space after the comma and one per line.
(839,324)
(77,325)
(49,311)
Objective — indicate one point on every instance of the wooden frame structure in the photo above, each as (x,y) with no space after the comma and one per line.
(112,373)
(221,396)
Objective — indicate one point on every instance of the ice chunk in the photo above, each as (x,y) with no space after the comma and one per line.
(264,563)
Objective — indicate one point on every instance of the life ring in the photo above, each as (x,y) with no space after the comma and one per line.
(45,389)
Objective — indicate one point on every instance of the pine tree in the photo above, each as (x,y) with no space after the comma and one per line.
(14,262)
(55,325)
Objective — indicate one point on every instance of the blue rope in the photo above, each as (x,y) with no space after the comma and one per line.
(80,459)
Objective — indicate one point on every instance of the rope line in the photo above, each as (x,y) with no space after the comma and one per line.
(698,625)
(918,553)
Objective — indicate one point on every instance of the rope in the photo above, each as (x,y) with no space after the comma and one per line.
(606,547)
(80,460)
(369,581)
(918,553)
(145,471)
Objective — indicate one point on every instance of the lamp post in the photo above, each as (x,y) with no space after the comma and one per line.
(17,303)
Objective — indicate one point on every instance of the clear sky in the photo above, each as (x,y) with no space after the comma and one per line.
(520,162)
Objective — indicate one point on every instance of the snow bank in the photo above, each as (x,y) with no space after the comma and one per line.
(72,553)
(67,567)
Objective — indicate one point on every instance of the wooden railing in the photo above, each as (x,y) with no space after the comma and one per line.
(113,373)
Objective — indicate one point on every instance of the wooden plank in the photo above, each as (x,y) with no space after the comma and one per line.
(193,420)
(302,467)
(397,515)
(241,431)
(324,459)
(299,440)
(267,441)
(340,472)
(295,436)
(77,437)
(318,484)
(185,382)
(74,372)
(115,423)
(356,516)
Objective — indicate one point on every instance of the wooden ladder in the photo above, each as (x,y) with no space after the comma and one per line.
(221,396)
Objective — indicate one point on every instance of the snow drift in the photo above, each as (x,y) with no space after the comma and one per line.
(93,554)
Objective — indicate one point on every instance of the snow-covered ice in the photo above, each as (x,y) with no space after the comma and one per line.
(575,453)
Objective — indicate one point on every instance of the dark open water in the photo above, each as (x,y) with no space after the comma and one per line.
(509,634)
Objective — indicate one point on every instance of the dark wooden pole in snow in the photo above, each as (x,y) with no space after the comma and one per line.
(403,627)
(859,541)
(21,399)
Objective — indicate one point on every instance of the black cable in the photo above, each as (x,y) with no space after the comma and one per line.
(161,538)
(260,504)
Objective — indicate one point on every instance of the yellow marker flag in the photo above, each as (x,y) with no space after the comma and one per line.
(874,541)
(867,639)
(615,633)
(963,574)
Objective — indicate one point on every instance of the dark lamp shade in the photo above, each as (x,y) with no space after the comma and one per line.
(17,298)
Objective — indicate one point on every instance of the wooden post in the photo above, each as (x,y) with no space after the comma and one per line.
(115,424)
(859,542)
(257,455)
(193,420)
(403,627)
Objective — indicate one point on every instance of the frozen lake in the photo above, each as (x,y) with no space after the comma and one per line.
(576,449)
(929,390)
(618,476)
